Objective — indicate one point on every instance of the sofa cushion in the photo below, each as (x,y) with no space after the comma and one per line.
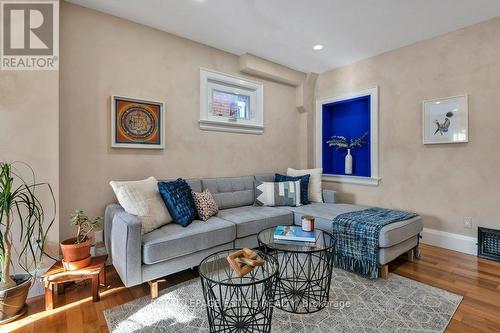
(324,214)
(231,192)
(195,184)
(173,240)
(264,177)
(179,201)
(250,220)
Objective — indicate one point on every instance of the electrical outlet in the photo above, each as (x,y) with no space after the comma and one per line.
(468,223)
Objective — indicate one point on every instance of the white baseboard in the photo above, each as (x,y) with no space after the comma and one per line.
(447,240)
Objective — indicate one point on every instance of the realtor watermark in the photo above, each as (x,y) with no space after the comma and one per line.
(262,304)
(29,35)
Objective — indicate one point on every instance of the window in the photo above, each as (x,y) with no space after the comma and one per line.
(229,103)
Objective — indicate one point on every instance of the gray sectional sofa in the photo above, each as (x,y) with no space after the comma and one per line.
(172,248)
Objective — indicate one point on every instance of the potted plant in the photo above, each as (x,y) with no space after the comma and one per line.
(76,250)
(22,226)
(341,142)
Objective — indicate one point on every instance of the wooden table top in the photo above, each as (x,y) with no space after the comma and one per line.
(57,270)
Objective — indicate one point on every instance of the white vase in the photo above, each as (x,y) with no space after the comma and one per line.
(348,162)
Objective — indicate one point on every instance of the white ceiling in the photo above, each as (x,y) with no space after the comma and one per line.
(284,31)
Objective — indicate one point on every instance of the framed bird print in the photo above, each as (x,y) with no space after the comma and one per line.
(445,120)
(137,123)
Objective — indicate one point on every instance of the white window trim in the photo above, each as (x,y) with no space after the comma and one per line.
(210,79)
(374,180)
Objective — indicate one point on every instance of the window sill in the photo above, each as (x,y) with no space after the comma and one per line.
(209,125)
(352,180)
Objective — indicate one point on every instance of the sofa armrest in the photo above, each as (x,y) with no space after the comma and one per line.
(328,196)
(126,247)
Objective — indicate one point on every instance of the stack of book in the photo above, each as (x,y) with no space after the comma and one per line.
(293,234)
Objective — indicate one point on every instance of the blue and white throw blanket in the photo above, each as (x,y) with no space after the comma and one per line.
(357,235)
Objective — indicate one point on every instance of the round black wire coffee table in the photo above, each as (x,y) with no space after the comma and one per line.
(238,304)
(305,270)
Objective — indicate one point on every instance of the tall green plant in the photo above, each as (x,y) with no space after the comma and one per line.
(20,207)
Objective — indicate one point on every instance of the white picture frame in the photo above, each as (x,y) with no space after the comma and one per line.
(211,81)
(375,178)
(116,142)
(445,120)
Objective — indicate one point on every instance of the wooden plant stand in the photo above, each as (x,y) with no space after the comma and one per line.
(56,275)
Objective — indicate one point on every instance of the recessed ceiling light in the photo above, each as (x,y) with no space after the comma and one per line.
(317,47)
(438,102)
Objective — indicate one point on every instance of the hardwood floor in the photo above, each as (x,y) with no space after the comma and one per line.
(478,280)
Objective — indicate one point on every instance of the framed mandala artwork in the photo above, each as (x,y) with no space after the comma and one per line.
(137,123)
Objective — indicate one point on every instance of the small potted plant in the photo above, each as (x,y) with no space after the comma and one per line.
(24,224)
(341,142)
(76,250)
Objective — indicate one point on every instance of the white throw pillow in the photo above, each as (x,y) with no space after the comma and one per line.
(315,190)
(141,198)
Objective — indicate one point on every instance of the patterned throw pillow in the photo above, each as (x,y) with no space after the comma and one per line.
(304,185)
(177,196)
(205,204)
(278,194)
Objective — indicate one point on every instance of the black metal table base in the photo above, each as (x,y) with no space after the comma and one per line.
(303,284)
(239,304)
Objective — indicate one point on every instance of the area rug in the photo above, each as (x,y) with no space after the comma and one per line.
(356,305)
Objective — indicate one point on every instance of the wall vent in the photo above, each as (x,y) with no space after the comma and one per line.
(488,243)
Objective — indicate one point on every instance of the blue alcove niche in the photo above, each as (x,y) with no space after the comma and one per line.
(349,118)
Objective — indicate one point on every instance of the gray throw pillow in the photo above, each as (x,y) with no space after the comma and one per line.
(278,194)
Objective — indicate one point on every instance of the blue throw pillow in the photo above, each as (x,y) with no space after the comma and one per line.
(177,197)
(304,185)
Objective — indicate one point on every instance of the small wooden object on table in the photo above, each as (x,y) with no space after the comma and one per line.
(57,275)
(243,261)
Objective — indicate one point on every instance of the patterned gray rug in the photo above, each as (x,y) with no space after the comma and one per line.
(356,305)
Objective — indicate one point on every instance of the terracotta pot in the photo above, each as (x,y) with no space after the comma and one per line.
(13,300)
(74,265)
(75,252)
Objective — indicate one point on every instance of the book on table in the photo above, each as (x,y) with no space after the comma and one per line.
(293,233)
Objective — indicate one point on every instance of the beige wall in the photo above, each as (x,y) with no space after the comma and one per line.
(444,183)
(29,130)
(103,55)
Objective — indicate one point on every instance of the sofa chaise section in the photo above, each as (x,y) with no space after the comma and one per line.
(394,240)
